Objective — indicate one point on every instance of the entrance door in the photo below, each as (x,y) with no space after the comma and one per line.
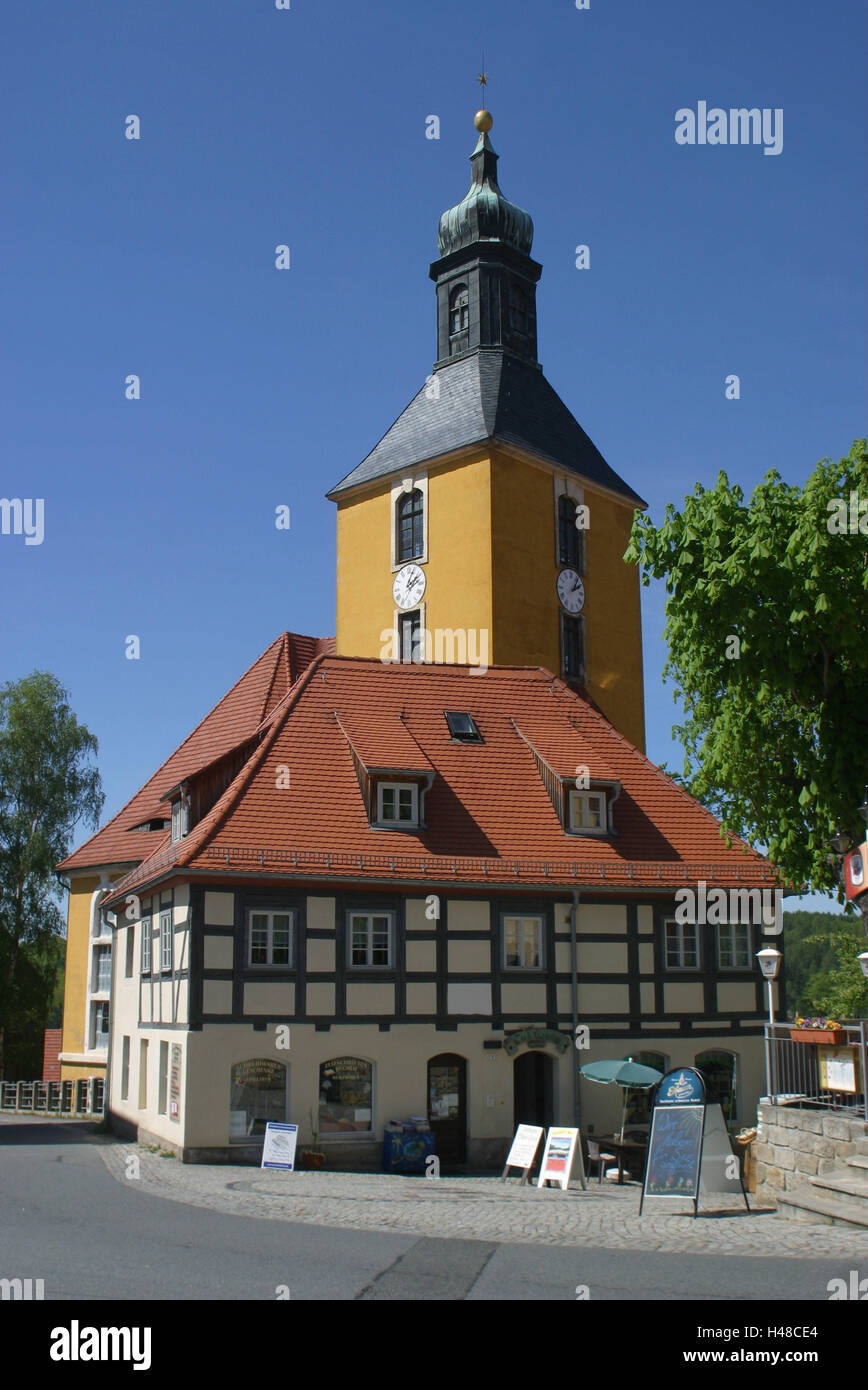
(533,1089)
(447,1106)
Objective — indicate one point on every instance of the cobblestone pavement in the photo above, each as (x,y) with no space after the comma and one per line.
(482,1208)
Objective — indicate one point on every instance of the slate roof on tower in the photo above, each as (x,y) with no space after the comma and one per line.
(488,814)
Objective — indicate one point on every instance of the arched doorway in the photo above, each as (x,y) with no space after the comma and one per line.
(447,1106)
(533,1089)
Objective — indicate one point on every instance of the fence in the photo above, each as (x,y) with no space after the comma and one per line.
(795,1070)
(83,1097)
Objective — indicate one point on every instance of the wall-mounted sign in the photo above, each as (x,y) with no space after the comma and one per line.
(839,1069)
(175,1083)
(536,1037)
(557,1163)
(522,1151)
(278,1151)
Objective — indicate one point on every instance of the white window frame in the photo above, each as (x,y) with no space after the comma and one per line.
(368,916)
(397,788)
(147,944)
(680,929)
(167,941)
(524,921)
(579,803)
(269,913)
(102,952)
(416,480)
(731,929)
(98,1006)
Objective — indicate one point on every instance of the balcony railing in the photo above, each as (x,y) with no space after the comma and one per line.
(797,1074)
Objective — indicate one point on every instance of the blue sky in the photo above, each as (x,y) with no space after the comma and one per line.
(307,127)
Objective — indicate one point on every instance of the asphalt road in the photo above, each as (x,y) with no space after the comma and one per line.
(66,1220)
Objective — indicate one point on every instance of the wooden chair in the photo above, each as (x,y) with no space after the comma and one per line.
(595,1155)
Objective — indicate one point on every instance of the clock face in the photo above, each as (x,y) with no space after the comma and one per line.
(571,591)
(409,586)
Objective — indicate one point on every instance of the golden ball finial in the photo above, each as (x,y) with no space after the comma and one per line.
(483,120)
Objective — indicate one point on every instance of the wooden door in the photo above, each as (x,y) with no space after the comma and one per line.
(533,1090)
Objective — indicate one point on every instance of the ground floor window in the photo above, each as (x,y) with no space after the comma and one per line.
(637,1103)
(258,1093)
(719,1070)
(346,1089)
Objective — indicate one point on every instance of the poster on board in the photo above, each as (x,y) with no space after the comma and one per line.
(674,1150)
(558,1155)
(523,1150)
(278,1150)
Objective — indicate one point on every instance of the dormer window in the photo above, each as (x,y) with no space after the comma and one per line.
(180,819)
(397,804)
(589,812)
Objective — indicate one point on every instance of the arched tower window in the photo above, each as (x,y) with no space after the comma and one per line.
(459,310)
(410,514)
(571,541)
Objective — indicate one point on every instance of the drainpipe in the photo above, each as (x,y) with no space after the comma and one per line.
(574,973)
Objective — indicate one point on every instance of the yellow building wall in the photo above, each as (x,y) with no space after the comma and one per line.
(526,609)
(457,572)
(81,891)
(491,571)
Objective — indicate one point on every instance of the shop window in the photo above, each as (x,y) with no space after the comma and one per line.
(346,1096)
(719,1070)
(258,1093)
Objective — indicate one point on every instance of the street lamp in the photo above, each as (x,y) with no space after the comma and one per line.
(770,964)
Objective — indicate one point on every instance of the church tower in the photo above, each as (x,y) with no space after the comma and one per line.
(485,527)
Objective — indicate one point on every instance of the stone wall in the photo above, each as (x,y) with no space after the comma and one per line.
(794,1145)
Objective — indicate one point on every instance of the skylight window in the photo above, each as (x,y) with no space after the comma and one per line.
(462,726)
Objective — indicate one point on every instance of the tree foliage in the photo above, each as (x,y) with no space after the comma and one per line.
(767,628)
(48,784)
(821,972)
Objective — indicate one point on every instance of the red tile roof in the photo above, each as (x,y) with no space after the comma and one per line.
(237,717)
(488,813)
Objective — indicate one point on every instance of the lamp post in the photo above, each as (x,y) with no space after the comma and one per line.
(770,964)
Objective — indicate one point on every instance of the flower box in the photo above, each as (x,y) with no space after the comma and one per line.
(831,1037)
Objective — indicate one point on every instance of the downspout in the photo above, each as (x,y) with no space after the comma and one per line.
(574,974)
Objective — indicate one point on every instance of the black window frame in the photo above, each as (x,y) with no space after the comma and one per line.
(571,541)
(410,517)
(576,671)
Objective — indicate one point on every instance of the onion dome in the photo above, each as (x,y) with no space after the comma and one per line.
(484,214)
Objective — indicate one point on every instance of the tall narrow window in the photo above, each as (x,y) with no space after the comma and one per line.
(146,945)
(163,1078)
(410,630)
(519,317)
(102,969)
(143,1073)
(459,310)
(410,520)
(165,940)
(573,647)
(125,1068)
(571,541)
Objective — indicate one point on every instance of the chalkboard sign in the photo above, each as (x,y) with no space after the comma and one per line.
(674,1151)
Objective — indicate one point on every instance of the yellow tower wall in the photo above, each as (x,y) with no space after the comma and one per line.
(81,890)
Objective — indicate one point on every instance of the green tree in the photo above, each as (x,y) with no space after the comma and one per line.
(48,784)
(767,628)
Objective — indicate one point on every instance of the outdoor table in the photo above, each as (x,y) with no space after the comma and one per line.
(620,1147)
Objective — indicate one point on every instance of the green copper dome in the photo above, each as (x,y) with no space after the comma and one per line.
(484,214)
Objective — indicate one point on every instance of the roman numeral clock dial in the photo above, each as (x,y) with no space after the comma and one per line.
(571,591)
(409,586)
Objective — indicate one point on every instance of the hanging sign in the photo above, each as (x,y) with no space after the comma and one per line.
(522,1151)
(278,1151)
(557,1163)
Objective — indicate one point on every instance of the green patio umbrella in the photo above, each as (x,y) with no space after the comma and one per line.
(622,1071)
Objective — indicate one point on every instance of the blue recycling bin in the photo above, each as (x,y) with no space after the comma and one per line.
(406,1152)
